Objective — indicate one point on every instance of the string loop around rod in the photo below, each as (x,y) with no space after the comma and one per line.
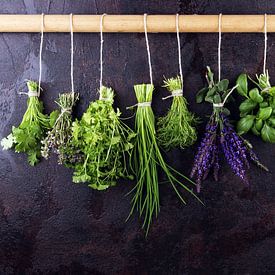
(219,47)
(101,49)
(40,53)
(148,47)
(179,48)
(72,52)
(265,42)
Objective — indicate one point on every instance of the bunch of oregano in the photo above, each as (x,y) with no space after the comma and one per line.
(59,137)
(104,142)
(176,129)
(26,138)
(257,111)
(147,158)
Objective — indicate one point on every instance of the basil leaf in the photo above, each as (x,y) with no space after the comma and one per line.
(263,104)
(271,120)
(223,85)
(268,134)
(272,91)
(255,131)
(259,124)
(264,113)
(201,95)
(247,105)
(242,85)
(255,95)
(245,124)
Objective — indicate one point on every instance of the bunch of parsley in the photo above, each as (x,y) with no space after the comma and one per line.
(104,142)
(26,138)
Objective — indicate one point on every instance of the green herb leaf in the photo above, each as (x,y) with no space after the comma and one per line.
(268,133)
(247,105)
(223,85)
(255,95)
(259,124)
(201,95)
(245,124)
(242,85)
(264,113)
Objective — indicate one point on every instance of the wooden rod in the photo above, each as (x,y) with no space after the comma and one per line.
(134,23)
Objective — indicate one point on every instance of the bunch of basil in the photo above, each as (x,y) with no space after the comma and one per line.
(257,111)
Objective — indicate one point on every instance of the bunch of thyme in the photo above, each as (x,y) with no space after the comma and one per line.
(59,137)
(220,137)
(177,127)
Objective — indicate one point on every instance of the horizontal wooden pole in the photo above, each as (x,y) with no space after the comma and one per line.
(134,23)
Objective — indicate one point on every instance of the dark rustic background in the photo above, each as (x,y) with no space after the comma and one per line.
(50,226)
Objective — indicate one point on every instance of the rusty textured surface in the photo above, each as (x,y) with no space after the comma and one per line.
(50,226)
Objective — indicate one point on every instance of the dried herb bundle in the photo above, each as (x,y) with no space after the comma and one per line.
(104,142)
(26,138)
(177,127)
(59,137)
(220,137)
(147,158)
(257,111)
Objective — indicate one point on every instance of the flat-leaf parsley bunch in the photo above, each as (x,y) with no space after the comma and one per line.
(27,137)
(176,129)
(105,143)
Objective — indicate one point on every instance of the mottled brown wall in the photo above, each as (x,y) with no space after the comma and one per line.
(50,226)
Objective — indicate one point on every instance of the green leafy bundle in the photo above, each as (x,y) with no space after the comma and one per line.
(177,127)
(104,141)
(26,138)
(257,111)
(147,158)
(59,137)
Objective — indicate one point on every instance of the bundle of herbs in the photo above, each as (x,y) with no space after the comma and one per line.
(176,129)
(257,111)
(104,142)
(146,158)
(27,137)
(59,137)
(220,137)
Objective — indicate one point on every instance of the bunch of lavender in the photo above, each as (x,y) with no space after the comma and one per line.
(220,137)
(58,138)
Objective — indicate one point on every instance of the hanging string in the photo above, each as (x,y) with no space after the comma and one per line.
(147,46)
(101,49)
(179,48)
(265,42)
(72,52)
(219,46)
(178,92)
(220,105)
(40,53)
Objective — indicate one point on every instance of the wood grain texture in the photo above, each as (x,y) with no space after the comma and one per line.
(50,226)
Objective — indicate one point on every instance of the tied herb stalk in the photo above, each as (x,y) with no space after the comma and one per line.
(220,137)
(59,137)
(147,158)
(176,129)
(26,138)
(104,142)
(257,111)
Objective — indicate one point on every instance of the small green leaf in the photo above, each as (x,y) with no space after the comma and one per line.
(242,85)
(245,124)
(217,99)
(264,113)
(247,105)
(259,124)
(53,117)
(272,91)
(255,95)
(255,131)
(201,95)
(271,120)
(263,104)
(223,85)
(268,133)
